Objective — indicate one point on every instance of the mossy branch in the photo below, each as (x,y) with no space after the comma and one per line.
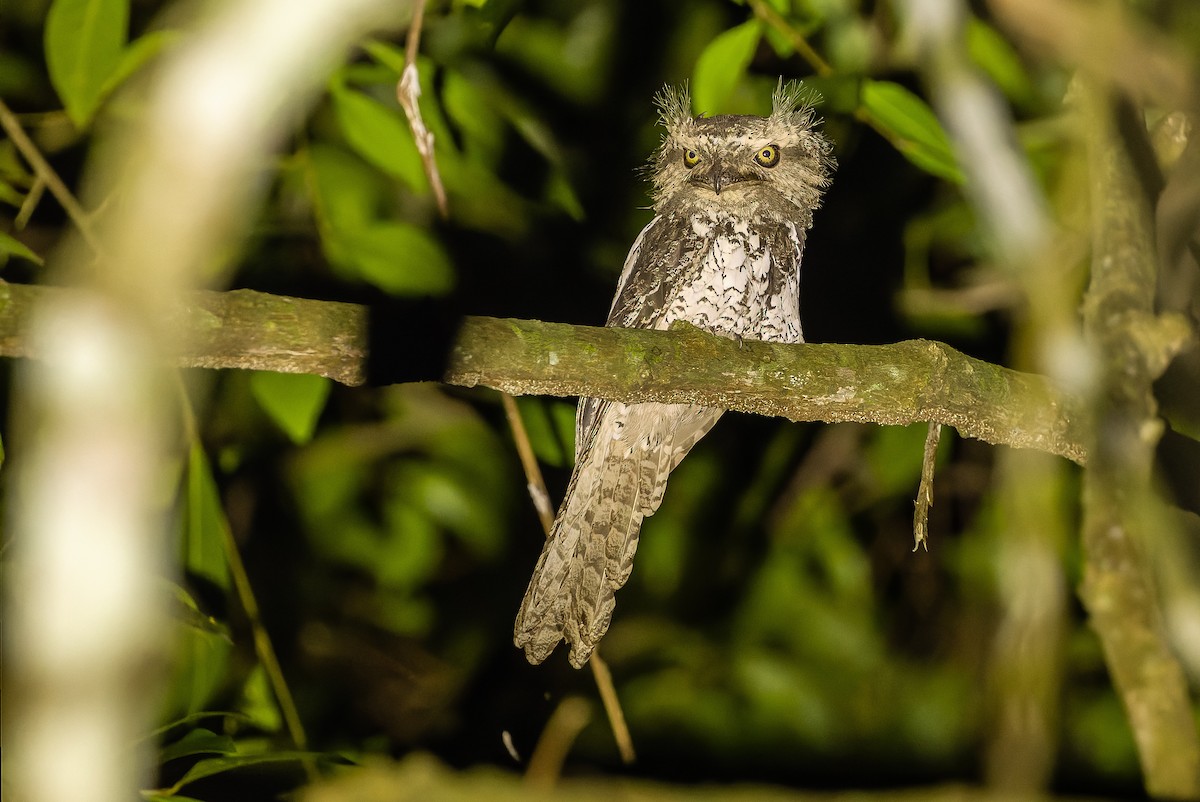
(907,382)
(911,381)
(1132,346)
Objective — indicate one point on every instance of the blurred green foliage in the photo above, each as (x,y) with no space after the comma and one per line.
(84,42)
(776,627)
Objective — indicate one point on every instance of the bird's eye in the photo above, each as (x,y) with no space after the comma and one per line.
(690,158)
(768,156)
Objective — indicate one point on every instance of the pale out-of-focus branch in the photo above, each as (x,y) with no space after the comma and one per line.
(898,384)
(86,634)
(1024,664)
(1105,40)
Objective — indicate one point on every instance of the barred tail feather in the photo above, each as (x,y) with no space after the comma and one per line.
(619,479)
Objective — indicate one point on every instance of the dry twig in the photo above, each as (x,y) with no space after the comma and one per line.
(925,489)
(46,176)
(408,91)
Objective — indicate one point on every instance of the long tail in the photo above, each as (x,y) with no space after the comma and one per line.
(619,479)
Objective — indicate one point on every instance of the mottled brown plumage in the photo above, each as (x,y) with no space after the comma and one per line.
(733,198)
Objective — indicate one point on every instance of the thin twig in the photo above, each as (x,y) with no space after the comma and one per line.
(541,502)
(564,726)
(533,473)
(32,198)
(408,90)
(264,649)
(612,707)
(46,173)
(769,15)
(925,489)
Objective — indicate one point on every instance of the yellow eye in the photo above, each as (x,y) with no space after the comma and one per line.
(690,158)
(768,156)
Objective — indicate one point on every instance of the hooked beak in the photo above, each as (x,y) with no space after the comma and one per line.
(720,177)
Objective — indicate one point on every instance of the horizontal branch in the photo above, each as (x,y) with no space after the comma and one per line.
(916,380)
(236,329)
(911,381)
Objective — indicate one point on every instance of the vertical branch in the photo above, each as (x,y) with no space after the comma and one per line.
(1131,346)
(85,627)
(86,630)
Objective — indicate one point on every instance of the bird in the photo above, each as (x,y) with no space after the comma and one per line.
(733,199)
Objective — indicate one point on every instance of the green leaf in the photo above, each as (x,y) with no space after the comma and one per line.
(188,613)
(227,716)
(413,546)
(471,110)
(570,55)
(533,129)
(219,765)
(399,258)
(894,456)
(562,415)
(722,64)
(84,40)
(544,437)
(345,191)
(912,128)
(137,55)
(10,194)
(995,56)
(849,44)
(560,193)
(387,54)
(377,80)
(204,531)
(380,135)
(480,200)
(293,400)
(395,610)
(450,498)
(202,669)
(12,166)
(15,247)
(201,657)
(198,742)
(258,702)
